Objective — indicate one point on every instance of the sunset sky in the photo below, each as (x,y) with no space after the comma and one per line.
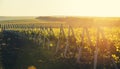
(104,8)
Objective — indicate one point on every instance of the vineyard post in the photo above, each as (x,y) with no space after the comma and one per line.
(72,31)
(88,36)
(13,27)
(96,48)
(51,31)
(73,35)
(48,43)
(58,43)
(48,33)
(59,37)
(39,36)
(44,37)
(67,42)
(3,27)
(80,46)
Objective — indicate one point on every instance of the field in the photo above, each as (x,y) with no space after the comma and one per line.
(60,43)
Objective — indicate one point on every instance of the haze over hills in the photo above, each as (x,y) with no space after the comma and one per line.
(3,18)
(83,20)
(72,20)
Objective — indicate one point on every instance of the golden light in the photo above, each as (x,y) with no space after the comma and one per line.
(101,8)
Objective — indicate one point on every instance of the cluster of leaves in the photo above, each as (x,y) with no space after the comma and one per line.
(47,44)
(40,46)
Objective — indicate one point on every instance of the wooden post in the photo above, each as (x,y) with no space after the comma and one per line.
(59,39)
(67,43)
(72,31)
(80,46)
(73,36)
(58,43)
(43,37)
(88,36)
(96,49)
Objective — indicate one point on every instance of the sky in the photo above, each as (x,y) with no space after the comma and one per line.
(104,8)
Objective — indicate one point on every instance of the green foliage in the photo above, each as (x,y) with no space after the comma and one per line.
(39,47)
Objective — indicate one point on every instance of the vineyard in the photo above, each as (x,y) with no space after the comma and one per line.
(59,46)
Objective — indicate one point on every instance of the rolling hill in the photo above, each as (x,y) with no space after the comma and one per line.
(103,21)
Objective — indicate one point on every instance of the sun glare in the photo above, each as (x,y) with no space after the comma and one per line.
(102,8)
